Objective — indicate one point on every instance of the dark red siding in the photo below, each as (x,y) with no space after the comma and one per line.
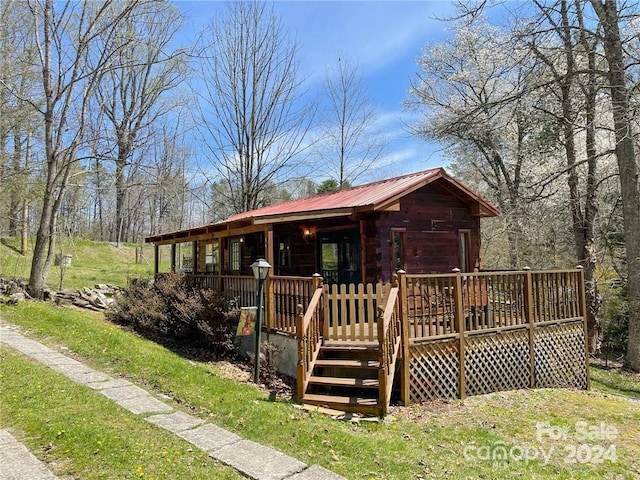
(432,218)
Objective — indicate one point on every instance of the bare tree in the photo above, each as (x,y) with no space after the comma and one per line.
(17,119)
(559,38)
(609,14)
(132,94)
(251,120)
(351,144)
(71,62)
(472,92)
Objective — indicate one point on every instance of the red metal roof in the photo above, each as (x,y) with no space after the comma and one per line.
(372,196)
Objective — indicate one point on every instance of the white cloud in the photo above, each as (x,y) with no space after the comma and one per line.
(374,34)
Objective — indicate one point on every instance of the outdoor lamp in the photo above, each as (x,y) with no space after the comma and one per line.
(260,271)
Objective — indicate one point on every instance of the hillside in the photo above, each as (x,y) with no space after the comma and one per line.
(91,262)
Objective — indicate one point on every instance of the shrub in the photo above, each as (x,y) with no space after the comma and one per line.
(170,308)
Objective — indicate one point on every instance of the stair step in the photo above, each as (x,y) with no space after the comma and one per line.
(346,404)
(345,382)
(349,353)
(346,345)
(345,363)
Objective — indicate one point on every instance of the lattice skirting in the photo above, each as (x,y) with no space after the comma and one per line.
(499,362)
(560,356)
(434,371)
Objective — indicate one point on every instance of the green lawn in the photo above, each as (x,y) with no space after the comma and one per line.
(440,440)
(82,434)
(91,263)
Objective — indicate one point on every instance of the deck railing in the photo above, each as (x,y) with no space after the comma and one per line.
(309,334)
(489,301)
(471,333)
(389,339)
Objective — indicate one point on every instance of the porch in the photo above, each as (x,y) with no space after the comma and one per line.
(424,336)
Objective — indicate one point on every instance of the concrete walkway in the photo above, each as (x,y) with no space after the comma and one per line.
(251,459)
(18,463)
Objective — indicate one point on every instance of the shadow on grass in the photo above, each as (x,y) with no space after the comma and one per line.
(6,243)
(196,348)
(618,381)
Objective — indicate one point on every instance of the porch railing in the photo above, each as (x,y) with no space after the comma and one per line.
(283,294)
(473,333)
(286,293)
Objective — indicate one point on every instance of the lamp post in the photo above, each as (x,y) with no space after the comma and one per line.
(260,271)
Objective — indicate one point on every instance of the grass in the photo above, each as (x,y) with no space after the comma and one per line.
(81,434)
(91,263)
(611,382)
(442,440)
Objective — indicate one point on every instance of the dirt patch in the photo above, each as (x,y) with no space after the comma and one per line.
(424,412)
(280,385)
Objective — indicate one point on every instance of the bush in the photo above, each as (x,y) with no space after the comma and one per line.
(170,308)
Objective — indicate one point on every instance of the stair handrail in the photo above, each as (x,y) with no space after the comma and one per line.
(308,333)
(389,339)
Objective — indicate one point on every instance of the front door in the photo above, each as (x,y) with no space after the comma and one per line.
(340,256)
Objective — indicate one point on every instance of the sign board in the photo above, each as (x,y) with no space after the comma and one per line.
(247,323)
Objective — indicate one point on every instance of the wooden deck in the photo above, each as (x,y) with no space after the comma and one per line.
(450,335)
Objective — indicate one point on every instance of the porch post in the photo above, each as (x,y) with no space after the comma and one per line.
(270,307)
(173,258)
(404,320)
(156,259)
(459,312)
(194,257)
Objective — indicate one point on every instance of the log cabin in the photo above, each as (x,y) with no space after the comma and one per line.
(425,222)
(378,293)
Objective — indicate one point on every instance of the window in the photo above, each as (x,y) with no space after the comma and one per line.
(212,257)
(236,255)
(463,250)
(284,252)
(397,250)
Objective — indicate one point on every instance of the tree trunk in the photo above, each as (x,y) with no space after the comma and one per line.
(120,197)
(627,166)
(24,230)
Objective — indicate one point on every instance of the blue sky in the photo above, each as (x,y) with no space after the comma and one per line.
(383,37)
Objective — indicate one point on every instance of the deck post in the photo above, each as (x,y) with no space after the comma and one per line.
(300,370)
(317,282)
(583,311)
(459,313)
(528,311)
(404,321)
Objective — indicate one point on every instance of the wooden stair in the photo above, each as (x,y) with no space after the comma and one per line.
(345,377)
